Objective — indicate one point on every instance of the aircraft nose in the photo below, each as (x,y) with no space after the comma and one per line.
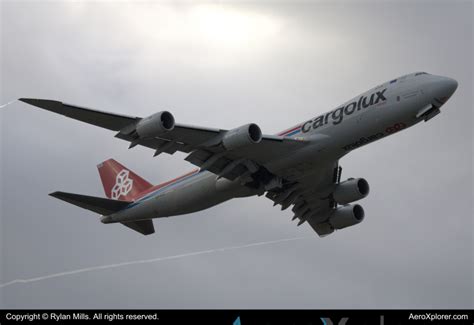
(444,88)
(450,86)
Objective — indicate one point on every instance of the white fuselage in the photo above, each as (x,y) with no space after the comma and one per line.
(371,116)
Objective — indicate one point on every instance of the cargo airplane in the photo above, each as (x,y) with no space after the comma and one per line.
(296,168)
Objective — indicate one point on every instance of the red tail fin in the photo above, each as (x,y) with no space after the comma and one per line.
(119,182)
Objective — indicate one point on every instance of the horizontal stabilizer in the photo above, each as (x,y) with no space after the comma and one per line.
(96,204)
(144,227)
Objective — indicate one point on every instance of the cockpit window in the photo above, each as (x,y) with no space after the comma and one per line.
(419,73)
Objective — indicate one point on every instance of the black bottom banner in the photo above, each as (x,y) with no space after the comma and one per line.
(240,317)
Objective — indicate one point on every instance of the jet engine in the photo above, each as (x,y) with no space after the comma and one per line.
(242,136)
(155,124)
(346,216)
(351,190)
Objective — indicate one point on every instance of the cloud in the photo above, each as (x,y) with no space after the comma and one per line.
(272,64)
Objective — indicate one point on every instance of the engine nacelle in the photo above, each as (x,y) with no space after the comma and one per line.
(242,136)
(351,190)
(155,124)
(346,216)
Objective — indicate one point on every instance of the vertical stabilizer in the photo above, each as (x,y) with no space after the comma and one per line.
(120,183)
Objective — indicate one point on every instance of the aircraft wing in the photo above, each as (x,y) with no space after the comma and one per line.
(106,120)
(310,197)
(203,145)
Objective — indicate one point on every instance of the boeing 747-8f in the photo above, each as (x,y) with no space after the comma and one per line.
(296,168)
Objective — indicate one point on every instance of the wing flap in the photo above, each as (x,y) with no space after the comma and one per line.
(310,198)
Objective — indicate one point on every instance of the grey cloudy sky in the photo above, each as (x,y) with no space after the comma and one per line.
(224,65)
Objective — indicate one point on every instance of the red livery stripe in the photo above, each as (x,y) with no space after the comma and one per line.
(156,187)
(290,130)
